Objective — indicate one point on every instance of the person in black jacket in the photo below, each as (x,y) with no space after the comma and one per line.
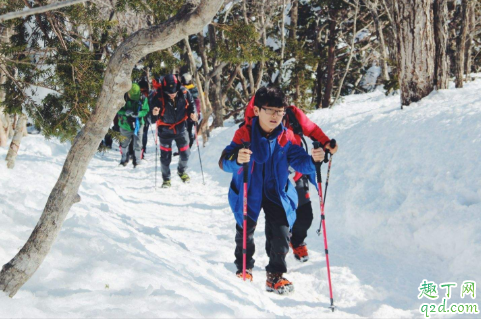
(172,106)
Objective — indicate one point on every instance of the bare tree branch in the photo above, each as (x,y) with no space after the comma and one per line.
(50,7)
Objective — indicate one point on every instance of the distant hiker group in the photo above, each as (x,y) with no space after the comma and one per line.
(174,108)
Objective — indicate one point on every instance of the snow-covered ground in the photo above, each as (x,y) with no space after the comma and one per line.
(403,205)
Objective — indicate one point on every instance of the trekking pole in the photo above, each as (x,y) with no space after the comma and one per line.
(323,217)
(332,143)
(156,151)
(244,227)
(198,151)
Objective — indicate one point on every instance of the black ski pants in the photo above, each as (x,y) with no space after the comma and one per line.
(277,239)
(182,140)
(145,136)
(251,247)
(301,226)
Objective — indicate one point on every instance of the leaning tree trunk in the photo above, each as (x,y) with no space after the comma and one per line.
(17,138)
(461,44)
(416,49)
(193,16)
(441,66)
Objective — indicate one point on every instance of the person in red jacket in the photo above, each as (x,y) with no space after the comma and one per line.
(301,125)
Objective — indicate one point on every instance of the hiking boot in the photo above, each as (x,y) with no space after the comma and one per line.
(248,274)
(184,177)
(166,184)
(300,252)
(124,163)
(276,283)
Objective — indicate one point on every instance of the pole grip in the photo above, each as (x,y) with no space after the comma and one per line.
(317,145)
(332,144)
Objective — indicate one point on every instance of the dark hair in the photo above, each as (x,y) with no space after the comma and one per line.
(271,96)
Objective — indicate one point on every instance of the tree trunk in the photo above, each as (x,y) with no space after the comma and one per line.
(17,138)
(319,81)
(416,49)
(219,107)
(294,19)
(205,107)
(441,66)
(471,20)
(331,60)
(283,37)
(4,38)
(461,44)
(260,73)
(216,92)
(350,54)
(3,133)
(192,17)
(372,5)
(293,39)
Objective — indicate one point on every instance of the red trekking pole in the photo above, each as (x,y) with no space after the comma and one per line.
(244,227)
(323,217)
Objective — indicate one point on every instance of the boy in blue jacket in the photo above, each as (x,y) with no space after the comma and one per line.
(273,148)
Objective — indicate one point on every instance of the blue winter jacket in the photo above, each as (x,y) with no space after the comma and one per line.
(273,155)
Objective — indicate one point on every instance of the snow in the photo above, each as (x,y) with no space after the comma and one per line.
(402,206)
(227,7)
(369,79)
(274,43)
(38,93)
(361,35)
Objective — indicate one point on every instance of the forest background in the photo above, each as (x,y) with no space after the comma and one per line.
(318,51)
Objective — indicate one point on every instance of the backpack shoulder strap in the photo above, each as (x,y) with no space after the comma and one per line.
(293,122)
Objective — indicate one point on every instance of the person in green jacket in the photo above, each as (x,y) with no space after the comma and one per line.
(131,122)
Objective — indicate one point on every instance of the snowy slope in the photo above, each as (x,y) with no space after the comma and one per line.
(402,206)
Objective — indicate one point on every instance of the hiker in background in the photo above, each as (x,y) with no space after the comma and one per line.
(145,90)
(131,122)
(172,106)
